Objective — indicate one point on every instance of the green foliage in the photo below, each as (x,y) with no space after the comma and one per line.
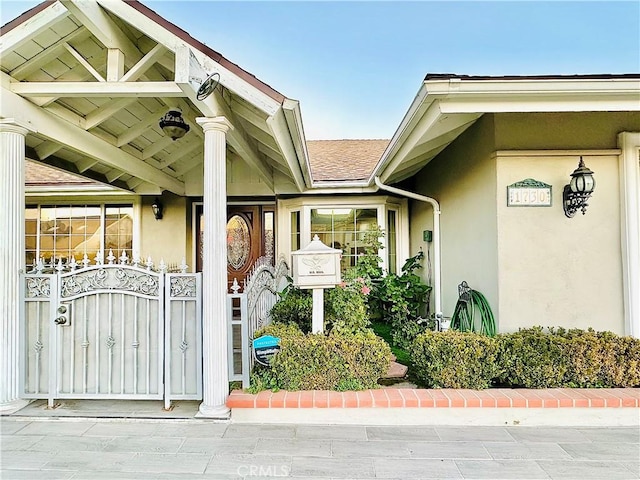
(533,359)
(295,306)
(338,361)
(464,319)
(368,262)
(403,299)
(454,359)
(346,307)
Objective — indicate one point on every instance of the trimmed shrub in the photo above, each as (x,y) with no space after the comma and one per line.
(454,359)
(295,307)
(338,361)
(533,359)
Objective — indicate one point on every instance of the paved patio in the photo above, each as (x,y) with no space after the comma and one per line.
(139,449)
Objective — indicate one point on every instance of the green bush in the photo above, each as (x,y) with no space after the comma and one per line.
(454,359)
(346,306)
(599,359)
(338,361)
(295,307)
(530,358)
(533,359)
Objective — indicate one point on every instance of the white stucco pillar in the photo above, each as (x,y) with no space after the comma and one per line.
(12,167)
(215,369)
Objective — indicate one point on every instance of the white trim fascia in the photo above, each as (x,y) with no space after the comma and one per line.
(463,96)
(420,103)
(556,153)
(293,117)
(163,36)
(26,31)
(630,228)
(281,134)
(339,190)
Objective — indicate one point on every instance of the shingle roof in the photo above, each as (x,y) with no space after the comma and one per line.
(341,160)
(40,175)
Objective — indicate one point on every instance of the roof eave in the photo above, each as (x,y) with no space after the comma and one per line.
(461,96)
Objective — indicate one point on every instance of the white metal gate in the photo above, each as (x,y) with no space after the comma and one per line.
(111,331)
(248,311)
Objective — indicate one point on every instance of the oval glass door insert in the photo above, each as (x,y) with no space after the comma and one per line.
(238,242)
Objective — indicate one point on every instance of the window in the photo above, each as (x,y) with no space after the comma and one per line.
(342,222)
(295,230)
(344,229)
(392,243)
(59,232)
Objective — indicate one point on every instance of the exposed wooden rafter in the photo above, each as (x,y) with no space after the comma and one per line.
(97,89)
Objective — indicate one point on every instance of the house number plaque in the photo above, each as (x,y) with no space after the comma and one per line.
(529,193)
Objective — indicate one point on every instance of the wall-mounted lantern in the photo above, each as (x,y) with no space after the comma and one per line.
(157,208)
(173,125)
(578,191)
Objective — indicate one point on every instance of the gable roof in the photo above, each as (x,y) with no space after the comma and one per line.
(447,104)
(94,77)
(344,160)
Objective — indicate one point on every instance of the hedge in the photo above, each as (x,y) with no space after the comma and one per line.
(531,358)
(337,361)
(454,359)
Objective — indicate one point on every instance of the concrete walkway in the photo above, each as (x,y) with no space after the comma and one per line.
(140,449)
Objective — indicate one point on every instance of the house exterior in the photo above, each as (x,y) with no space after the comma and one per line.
(84,85)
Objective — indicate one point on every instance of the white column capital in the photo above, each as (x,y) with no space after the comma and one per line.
(11,125)
(220,124)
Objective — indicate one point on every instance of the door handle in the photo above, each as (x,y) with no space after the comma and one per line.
(63,315)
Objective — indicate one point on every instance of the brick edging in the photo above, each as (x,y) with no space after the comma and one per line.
(441,398)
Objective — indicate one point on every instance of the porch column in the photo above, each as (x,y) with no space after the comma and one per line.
(215,369)
(12,167)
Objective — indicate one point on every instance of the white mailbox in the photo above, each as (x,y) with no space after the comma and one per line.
(316,265)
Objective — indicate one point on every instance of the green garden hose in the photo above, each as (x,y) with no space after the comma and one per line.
(469,302)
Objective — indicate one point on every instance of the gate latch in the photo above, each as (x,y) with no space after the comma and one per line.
(63,317)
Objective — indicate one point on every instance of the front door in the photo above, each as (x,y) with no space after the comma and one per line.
(250,235)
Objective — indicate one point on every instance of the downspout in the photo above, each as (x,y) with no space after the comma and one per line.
(436,240)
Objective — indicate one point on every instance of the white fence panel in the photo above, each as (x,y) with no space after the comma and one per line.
(183,337)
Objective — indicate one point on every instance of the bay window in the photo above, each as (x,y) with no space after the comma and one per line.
(343,222)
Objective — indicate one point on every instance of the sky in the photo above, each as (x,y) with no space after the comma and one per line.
(355,67)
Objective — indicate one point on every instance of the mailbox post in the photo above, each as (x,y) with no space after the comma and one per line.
(316,267)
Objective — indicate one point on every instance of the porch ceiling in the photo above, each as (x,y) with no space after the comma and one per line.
(94,78)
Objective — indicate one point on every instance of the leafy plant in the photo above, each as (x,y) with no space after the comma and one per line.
(295,306)
(403,300)
(346,307)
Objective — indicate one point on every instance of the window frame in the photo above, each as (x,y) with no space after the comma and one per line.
(40,202)
(381,203)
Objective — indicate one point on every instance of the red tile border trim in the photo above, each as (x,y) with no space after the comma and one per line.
(442,398)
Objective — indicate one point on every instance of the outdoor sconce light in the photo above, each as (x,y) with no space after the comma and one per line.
(173,125)
(157,209)
(576,194)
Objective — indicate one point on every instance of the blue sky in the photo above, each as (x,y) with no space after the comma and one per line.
(356,66)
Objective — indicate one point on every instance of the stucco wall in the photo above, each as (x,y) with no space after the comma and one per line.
(534,265)
(463,180)
(166,238)
(554,270)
